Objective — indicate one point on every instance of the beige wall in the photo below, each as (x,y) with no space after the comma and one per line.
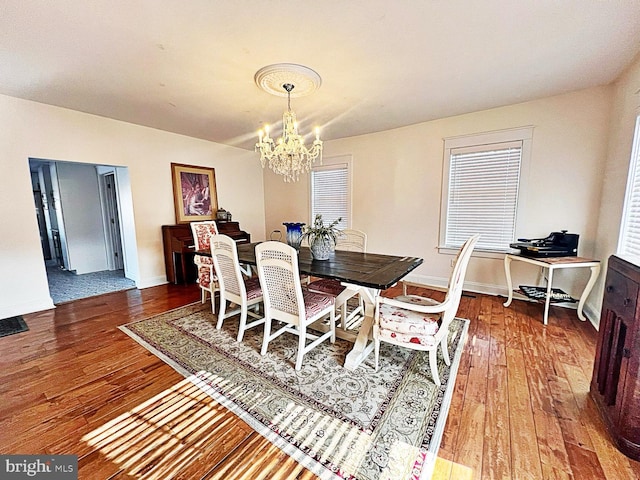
(626,107)
(396,184)
(29,129)
(397,177)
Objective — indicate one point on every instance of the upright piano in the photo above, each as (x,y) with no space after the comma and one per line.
(179,248)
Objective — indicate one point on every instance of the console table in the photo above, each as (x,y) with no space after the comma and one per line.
(552,264)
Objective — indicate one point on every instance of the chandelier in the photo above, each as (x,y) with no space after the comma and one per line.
(288,155)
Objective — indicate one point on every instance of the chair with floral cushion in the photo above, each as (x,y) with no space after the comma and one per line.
(234,286)
(421,323)
(207,279)
(352,241)
(286,301)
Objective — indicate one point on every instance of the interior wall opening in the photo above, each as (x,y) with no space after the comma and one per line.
(85,218)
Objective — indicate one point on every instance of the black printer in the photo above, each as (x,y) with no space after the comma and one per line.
(557,244)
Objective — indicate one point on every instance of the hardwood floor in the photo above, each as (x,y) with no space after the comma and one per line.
(75,384)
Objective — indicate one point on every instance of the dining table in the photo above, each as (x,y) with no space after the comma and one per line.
(367,274)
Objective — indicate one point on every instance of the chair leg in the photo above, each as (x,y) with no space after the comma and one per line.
(433,362)
(332,319)
(376,345)
(445,349)
(376,349)
(221,311)
(203,295)
(214,289)
(302,342)
(213,302)
(266,338)
(243,321)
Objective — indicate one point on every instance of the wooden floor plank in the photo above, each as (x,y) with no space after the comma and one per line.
(553,455)
(470,442)
(520,408)
(450,434)
(573,429)
(496,457)
(613,463)
(525,459)
(584,463)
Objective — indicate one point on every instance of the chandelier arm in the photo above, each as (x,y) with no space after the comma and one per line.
(289,156)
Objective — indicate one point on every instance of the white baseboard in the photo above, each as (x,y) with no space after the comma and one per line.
(414,278)
(592,315)
(151,282)
(443,282)
(498,290)
(29,307)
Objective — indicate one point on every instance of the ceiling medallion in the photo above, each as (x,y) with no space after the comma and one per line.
(288,156)
(272,77)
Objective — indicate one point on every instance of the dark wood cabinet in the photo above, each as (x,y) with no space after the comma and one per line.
(177,241)
(615,385)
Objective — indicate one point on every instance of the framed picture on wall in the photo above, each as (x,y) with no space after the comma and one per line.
(194,193)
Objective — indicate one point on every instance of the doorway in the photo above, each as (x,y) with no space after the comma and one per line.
(85,216)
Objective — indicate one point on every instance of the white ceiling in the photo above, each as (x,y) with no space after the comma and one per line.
(187,66)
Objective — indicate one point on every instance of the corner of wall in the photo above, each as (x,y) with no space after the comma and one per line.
(151,282)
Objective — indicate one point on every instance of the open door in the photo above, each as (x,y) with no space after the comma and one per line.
(57,220)
(119,225)
(112,218)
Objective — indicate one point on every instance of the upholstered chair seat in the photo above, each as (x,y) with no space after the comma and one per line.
(420,323)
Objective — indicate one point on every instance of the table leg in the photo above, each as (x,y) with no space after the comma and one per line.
(595,270)
(183,268)
(363,345)
(507,273)
(547,299)
(175,268)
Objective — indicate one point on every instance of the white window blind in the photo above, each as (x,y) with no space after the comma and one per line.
(629,243)
(330,193)
(483,195)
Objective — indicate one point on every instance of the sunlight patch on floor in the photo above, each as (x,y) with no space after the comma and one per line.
(162,435)
(448,470)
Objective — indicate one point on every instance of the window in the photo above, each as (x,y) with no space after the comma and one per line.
(482,182)
(331,190)
(629,242)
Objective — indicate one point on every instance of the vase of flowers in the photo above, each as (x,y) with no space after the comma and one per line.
(322,238)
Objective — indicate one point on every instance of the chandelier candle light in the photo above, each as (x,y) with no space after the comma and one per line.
(288,156)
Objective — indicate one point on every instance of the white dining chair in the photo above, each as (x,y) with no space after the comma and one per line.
(234,286)
(286,301)
(207,279)
(421,323)
(352,241)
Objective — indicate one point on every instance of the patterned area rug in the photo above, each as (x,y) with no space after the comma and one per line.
(340,424)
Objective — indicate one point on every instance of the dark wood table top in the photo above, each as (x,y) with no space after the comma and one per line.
(367,269)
